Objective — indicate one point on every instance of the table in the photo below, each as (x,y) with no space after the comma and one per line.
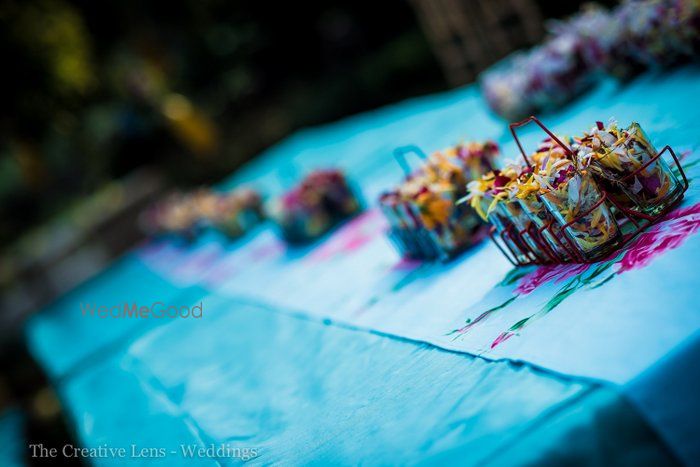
(336,352)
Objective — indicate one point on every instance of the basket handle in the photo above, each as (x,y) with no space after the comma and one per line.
(401,152)
(529,119)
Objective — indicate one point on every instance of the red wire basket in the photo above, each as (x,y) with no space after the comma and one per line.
(552,243)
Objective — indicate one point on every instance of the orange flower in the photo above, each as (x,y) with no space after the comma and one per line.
(433,209)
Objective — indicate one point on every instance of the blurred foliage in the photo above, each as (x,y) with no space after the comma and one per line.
(93,90)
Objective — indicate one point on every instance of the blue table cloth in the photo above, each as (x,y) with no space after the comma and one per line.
(313,393)
(64,337)
(305,355)
(12,442)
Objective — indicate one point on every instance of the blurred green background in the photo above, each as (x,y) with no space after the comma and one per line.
(93,90)
(194,88)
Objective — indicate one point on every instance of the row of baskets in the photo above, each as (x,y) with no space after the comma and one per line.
(575,199)
(318,203)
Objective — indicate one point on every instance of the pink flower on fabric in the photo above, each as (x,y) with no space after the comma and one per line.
(352,236)
(551,272)
(670,233)
(406,264)
(667,235)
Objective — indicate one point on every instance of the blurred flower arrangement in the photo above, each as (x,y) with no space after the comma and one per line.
(317,204)
(425,222)
(185,215)
(636,35)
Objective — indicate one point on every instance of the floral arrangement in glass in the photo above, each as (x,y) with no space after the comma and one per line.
(186,214)
(550,170)
(489,196)
(505,90)
(578,202)
(424,220)
(317,204)
(622,42)
(545,77)
(659,32)
(626,160)
(236,212)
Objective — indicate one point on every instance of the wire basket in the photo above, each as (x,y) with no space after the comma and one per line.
(425,220)
(543,229)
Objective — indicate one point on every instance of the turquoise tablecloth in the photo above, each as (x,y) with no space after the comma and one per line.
(298,388)
(12,442)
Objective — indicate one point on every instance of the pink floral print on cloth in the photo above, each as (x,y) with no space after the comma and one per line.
(668,234)
(665,236)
